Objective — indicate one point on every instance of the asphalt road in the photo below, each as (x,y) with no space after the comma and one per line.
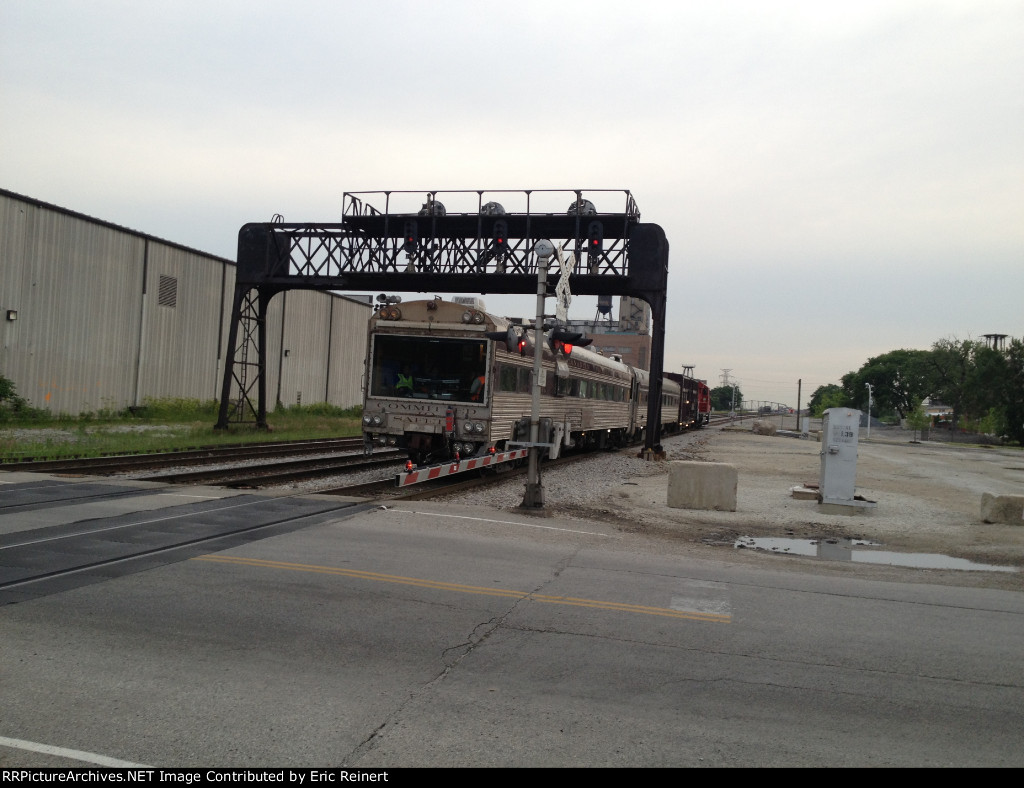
(432,635)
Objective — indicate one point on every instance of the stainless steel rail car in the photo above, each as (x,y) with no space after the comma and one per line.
(441,386)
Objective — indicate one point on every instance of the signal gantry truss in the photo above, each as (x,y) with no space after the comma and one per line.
(451,241)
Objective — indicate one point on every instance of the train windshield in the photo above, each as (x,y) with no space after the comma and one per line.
(428,368)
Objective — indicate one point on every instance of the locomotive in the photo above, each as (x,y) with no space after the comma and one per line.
(446,381)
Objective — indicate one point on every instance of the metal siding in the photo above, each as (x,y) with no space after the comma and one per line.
(13,272)
(227,294)
(87,337)
(77,289)
(304,368)
(275,316)
(179,343)
(348,352)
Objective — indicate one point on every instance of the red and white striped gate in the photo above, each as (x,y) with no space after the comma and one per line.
(450,469)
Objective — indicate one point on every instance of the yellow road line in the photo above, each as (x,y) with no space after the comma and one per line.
(467,589)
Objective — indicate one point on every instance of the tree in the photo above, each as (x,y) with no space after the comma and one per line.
(722,397)
(899,379)
(917,420)
(976,381)
(1013,392)
(968,377)
(11,403)
(825,397)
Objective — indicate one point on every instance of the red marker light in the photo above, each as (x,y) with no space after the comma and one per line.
(567,349)
(408,466)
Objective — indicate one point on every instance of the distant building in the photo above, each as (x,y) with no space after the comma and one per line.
(628,337)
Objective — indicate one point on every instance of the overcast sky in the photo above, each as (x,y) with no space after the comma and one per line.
(836,180)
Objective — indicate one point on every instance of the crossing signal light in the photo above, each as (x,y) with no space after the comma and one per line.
(412,237)
(563,341)
(511,337)
(595,238)
(499,237)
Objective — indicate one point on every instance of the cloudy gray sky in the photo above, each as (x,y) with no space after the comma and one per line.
(836,180)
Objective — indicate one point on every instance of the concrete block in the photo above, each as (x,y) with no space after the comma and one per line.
(764,428)
(1002,509)
(803,493)
(702,485)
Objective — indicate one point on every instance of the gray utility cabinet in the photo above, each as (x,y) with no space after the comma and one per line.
(839,431)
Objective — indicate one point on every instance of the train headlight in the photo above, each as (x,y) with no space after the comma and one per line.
(367,421)
(478,318)
(478,427)
(377,421)
(467,426)
(467,316)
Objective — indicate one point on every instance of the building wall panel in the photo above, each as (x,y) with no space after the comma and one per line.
(100,326)
(316,353)
(349,321)
(78,294)
(181,325)
(306,339)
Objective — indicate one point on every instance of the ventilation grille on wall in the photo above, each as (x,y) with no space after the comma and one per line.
(168,295)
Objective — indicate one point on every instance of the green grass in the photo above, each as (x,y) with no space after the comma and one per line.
(166,424)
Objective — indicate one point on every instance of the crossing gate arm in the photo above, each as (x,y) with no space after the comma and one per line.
(452,468)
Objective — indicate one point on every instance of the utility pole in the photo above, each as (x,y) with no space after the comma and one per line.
(799,385)
(534,496)
(870,390)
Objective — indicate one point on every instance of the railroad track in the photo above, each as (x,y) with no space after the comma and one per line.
(207,455)
(385,489)
(52,559)
(258,472)
(280,472)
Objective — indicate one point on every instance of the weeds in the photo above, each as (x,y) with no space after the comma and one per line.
(160,424)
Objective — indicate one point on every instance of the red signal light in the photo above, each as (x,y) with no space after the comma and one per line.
(567,349)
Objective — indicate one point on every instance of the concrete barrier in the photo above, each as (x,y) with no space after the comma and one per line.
(702,485)
(1002,509)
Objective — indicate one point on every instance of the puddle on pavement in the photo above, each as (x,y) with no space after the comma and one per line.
(845,550)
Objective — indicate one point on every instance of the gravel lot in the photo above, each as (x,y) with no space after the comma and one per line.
(928,501)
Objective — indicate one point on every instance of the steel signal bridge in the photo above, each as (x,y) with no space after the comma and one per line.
(442,242)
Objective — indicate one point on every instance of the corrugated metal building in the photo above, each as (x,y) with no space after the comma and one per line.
(99,316)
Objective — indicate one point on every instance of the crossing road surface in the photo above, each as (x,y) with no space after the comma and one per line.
(432,635)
